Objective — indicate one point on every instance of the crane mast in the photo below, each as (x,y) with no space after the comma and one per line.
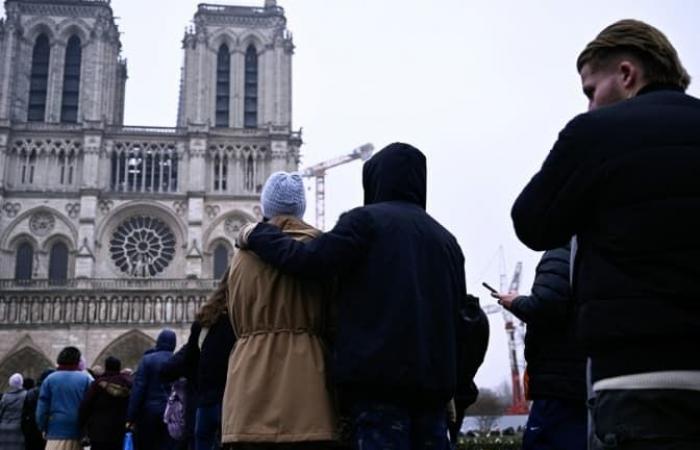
(318,172)
(519,405)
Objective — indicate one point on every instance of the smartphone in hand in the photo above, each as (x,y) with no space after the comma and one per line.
(487,286)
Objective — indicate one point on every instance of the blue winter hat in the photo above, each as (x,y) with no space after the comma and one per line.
(283,194)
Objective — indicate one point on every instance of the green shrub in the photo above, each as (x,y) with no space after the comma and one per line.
(490,443)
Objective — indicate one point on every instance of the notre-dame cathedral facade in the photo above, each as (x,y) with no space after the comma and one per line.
(109,233)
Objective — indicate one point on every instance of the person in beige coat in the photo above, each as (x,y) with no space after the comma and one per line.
(277,394)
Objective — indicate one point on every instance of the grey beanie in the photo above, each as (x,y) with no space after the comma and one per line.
(283,194)
(16,381)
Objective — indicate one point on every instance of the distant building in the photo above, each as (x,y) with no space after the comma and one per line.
(108,232)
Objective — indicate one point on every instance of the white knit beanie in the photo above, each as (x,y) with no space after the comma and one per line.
(16,381)
(283,194)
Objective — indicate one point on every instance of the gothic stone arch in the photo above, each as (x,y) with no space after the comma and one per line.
(14,228)
(129,348)
(28,361)
(74,26)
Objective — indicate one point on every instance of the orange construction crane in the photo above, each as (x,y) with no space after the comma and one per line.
(519,404)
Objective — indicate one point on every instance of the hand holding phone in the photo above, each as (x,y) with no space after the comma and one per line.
(487,286)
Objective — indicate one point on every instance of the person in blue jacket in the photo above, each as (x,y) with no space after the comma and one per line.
(149,397)
(59,401)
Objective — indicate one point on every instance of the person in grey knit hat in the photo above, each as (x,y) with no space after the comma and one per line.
(283,194)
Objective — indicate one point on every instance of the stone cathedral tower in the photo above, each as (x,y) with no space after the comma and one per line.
(108,232)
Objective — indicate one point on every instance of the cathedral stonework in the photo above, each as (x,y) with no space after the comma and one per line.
(108,232)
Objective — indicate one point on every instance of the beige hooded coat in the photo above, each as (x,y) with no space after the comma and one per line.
(276,389)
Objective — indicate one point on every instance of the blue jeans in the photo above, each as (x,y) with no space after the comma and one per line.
(207,427)
(556,424)
(383,426)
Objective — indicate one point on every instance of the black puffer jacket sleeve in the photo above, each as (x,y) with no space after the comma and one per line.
(557,201)
(550,299)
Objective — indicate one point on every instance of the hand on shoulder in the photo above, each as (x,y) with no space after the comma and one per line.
(242,239)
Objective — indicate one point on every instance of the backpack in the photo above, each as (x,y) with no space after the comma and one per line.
(174,416)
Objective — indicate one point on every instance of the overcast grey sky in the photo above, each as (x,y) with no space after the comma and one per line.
(481,87)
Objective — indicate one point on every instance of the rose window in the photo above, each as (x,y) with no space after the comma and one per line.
(142,246)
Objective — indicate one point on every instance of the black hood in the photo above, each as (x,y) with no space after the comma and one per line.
(396,173)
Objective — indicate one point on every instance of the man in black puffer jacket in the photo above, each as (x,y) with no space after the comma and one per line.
(556,366)
(623,178)
(402,286)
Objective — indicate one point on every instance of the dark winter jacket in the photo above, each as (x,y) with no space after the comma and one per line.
(103,410)
(556,365)
(624,180)
(11,405)
(33,439)
(149,395)
(213,361)
(11,436)
(210,362)
(401,283)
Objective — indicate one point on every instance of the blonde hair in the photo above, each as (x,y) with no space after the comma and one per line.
(643,42)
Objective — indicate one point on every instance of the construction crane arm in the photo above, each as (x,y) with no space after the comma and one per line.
(318,171)
(363,152)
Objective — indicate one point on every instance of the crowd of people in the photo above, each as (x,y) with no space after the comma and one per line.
(365,337)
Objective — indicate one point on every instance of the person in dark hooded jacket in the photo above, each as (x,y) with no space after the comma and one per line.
(183,364)
(402,285)
(149,396)
(103,410)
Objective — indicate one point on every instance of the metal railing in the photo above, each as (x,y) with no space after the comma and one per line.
(107,284)
(143,130)
(239,10)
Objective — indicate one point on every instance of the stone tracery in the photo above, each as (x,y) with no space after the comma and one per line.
(142,246)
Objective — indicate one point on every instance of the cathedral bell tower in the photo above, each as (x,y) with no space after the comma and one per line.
(59,63)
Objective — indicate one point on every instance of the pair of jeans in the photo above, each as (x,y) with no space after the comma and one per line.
(385,426)
(207,427)
(152,433)
(555,424)
(646,419)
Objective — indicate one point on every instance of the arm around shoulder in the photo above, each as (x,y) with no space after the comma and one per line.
(325,255)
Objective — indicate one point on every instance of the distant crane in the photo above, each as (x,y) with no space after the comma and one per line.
(318,171)
(519,404)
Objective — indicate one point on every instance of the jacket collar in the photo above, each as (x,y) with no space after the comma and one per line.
(653,87)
